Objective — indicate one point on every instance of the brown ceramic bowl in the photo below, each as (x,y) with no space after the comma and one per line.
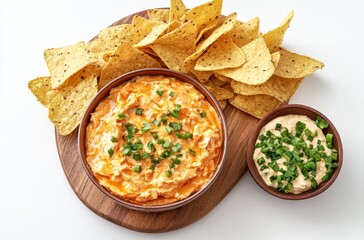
(104,92)
(312,114)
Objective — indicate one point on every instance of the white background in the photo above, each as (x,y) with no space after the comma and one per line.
(36,201)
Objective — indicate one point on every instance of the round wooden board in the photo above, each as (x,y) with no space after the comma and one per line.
(240,126)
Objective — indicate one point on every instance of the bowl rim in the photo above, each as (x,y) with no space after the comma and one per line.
(122,79)
(282,111)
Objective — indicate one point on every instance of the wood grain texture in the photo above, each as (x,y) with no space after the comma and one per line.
(240,126)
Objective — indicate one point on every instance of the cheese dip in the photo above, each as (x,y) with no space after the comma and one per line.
(293,154)
(153,140)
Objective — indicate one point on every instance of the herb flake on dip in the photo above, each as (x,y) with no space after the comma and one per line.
(153,140)
(293,154)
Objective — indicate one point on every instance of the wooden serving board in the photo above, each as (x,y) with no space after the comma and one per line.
(240,126)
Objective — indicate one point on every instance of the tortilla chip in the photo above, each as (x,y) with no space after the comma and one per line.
(275,58)
(274,38)
(244,33)
(177,10)
(124,59)
(156,32)
(159,14)
(67,108)
(227,25)
(219,92)
(42,89)
(67,61)
(293,65)
(209,28)
(202,76)
(258,67)
(280,88)
(255,105)
(203,14)
(223,53)
(171,50)
(222,78)
(216,81)
(223,103)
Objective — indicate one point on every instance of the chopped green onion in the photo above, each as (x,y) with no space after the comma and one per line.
(203,114)
(175,111)
(160,141)
(136,156)
(169,173)
(150,145)
(166,154)
(175,126)
(146,127)
(329,137)
(176,161)
(176,148)
(169,130)
(137,168)
(278,126)
(138,111)
(156,122)
(171,93)
(121,116)
(187,135)
(164,119)
(127,151)
(321,123)
(300,126)
(113,139)
(155,136)
(145,155)
(110,151)
(261,160)
(166,144)
(159,92)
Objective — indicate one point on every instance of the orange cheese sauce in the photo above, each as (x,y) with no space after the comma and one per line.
(150,176)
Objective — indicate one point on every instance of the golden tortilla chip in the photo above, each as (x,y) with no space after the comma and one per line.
(177,10)
(202,76)
(244,33)
(222,78)
(227,25)
(124,59)
(156,32)
(293,65)
(223,53)
(258,67)
(280,88)
(203,14)
(159,14)
(67,108)
(42,89)
(216,81)
(223,103)
(219,92)
(274,38)
(67,61)
(255,105)
(275,58)
(172,50)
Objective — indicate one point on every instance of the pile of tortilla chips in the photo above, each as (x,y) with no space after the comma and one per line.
(233,59)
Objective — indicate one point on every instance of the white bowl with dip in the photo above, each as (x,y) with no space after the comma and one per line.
(140,136)
(290,157)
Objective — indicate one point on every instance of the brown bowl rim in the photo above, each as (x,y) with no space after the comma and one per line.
(128,77)
(301,110)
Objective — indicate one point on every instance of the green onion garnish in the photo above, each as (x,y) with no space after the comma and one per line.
(169,130)
(138,111)
(136,156)
(121,116)
(166,144)
(137,168)
(145,155)
(113,139)
(203,114)
(278,126)
(175,111)
(171,93)
(176,147)
(329,137)
(169,173)
(156,122)
(321,123)
(300,126)
(146,127)
(175,126)
(159,92)
(110,151)
(192,152)
(150,145)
